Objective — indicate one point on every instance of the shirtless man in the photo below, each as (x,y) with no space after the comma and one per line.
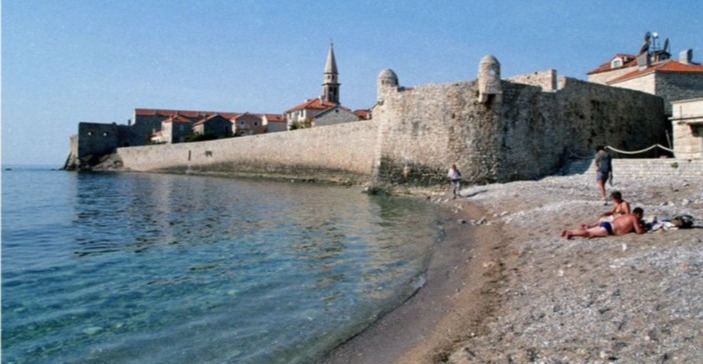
(621,225)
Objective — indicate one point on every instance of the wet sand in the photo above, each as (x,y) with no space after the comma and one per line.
(503,286)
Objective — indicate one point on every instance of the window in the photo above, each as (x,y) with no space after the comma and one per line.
(616,63)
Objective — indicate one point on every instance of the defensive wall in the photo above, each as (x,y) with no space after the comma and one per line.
(497,131)
(95,140)
(522,132)
(342,153)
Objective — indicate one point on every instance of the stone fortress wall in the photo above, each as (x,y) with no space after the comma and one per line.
(494,130)
(522,132)
(342,153)
(94,140)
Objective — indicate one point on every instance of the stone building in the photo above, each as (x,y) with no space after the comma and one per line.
(174,129)
(215,125)
(247,124)
(335,115)
(687,121)
(613,68)
(97,139)
(653,71)
(304,112)
(274,122)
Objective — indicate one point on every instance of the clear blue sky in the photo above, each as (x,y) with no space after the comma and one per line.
(67,61)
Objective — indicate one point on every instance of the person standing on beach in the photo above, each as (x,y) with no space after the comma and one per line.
(604,170)
(455,179)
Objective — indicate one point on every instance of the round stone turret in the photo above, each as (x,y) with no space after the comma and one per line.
(489,87)
(387,78)
(386,81)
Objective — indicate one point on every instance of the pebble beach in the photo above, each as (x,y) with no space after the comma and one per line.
(504,287)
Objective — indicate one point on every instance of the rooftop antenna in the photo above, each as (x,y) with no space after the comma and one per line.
(655,39)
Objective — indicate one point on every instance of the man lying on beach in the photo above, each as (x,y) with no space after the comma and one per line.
(621,225)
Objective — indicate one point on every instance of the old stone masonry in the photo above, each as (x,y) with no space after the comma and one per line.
(495,129)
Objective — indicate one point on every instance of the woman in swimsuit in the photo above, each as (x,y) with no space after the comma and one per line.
(620,207)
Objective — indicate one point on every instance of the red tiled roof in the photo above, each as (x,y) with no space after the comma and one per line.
(669,65)
(186,113)
(274,117)
(629,60)
(363,114)
(178,119)
(256,116)
(314,104)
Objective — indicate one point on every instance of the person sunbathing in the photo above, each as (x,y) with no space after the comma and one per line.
(620,225)
(620,207)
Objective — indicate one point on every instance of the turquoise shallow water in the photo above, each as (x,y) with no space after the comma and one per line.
(141,268)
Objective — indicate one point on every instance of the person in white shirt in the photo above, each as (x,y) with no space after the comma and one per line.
(455,179)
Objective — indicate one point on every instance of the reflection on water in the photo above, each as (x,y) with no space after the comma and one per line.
(162,268)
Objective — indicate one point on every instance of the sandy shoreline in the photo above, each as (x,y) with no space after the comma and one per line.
(503,286)
(409,333)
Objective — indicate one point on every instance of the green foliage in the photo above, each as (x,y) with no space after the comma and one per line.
(301,124)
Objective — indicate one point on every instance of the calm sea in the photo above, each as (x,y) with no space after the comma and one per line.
(148,268)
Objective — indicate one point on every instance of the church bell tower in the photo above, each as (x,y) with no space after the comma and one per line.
(330,85)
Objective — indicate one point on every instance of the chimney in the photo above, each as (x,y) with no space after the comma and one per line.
(643,61)
(686,56)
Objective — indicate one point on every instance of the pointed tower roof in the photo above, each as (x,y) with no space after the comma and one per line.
(330,85)
(331,64)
